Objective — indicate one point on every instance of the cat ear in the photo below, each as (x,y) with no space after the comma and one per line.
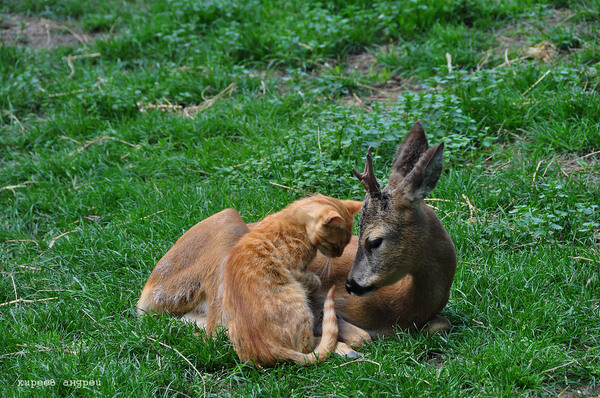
(333,217)
(353,206)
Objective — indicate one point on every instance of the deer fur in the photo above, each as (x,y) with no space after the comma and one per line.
(396,274)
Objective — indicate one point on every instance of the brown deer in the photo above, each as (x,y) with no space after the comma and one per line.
(397,272)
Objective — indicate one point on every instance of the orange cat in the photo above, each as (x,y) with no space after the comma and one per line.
(266,281)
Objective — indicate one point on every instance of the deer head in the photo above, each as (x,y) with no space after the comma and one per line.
(395,235)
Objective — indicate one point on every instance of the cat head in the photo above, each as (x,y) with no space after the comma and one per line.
(330,223)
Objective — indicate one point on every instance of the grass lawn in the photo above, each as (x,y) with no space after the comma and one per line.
(123,123)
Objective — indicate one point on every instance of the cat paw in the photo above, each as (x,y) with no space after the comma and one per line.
(311,282)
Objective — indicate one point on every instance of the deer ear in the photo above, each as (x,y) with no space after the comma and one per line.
(424,176)
(410,150)
(353,206)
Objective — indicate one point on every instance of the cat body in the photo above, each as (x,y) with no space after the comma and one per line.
(266,282)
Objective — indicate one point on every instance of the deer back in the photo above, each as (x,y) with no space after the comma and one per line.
(187,277)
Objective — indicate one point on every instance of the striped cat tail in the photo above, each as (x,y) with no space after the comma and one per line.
(328,339)
(330,329)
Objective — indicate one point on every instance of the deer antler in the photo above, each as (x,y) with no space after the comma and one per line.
(367,179)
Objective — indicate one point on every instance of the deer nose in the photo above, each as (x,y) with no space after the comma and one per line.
(355,289)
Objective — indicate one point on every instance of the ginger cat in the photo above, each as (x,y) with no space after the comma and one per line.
(266,282)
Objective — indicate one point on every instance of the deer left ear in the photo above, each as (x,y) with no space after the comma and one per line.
(410,151)
(424,176)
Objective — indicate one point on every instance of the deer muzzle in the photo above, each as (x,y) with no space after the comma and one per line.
(354,289)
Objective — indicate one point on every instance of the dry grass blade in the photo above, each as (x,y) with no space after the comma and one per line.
(537,82)
(53,240)
(584,259)
(54,95)
(357,98)
(192,111)
(187,111)
(536,170)
(30,268)
(182,356)
(96,85)
(449,62)
(508,62)
(37,347)
(92,318)
(14,286)
(22,352)
(263,87)
(445,201)
(157,190)
(589,155)
(12,187)
(16,119)
(484,60)
(26,301)
(143,108)
(50,24)
(560,366)
(41,348)
(319,136)
(284,186)
(100,140)
(22,241)
(472,209)
(64,137)
(358,360)
(70,58)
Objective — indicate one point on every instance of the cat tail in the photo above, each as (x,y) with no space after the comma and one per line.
(328,339)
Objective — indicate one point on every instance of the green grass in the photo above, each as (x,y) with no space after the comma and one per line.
(93,192)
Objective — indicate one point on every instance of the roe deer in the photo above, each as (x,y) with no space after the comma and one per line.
(397,272)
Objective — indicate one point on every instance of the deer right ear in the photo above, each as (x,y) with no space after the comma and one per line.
(424,176)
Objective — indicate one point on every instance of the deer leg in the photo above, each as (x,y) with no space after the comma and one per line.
(438,324)
(341,349)
(146,303)
(344,350)
(195,317)
(352,335)
(347,332)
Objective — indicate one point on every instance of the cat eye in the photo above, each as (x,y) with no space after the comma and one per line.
(371,244)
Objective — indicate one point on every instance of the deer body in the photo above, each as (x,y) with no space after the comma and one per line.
(396,274)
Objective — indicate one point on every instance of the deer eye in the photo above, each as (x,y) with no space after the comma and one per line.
(371,244)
